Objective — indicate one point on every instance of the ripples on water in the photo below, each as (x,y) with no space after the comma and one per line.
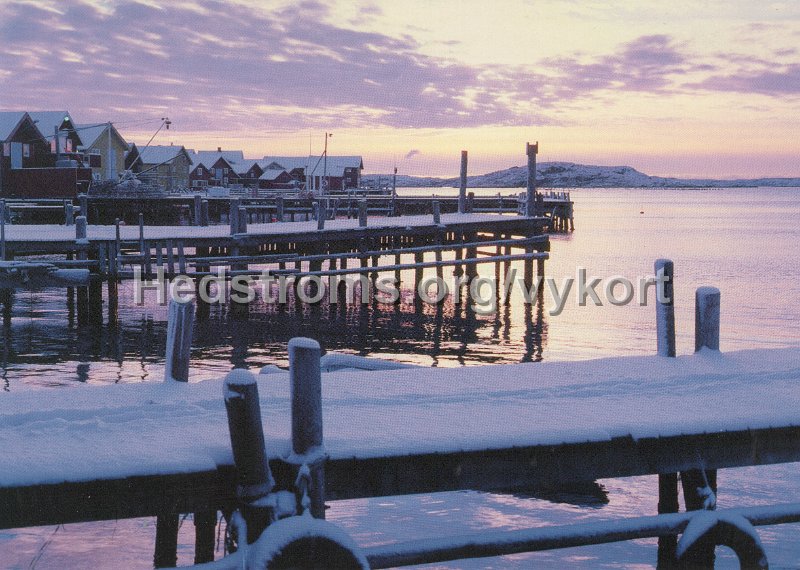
(743,241)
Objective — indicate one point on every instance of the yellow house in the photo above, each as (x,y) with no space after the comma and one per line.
(105,149)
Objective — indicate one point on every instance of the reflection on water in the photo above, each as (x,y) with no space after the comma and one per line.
(743,241)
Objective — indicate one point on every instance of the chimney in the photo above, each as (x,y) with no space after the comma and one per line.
(219,149)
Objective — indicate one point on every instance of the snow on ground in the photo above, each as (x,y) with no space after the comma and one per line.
(55,233)
(85,433)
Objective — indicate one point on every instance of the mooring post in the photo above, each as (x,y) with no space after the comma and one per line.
(179,340)
(706,318)
(242,220)
(462,190)
(253,474)
(69,214)
(306,386)
(697,482)
(233,216)
(279,208)
(530,198)
(362,213)
(2,230)
(665,342)
(322,213)
(437,212)
(198,214)
(204,213)
(83,200)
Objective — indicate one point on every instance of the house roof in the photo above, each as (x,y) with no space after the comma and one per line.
(48,121)
(314,165)
(10,122)
(160,154)
(90,133)
(271,174)
(235,158)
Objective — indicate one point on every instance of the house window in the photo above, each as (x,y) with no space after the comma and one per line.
(225,171)
(68,145)
(199,170)
(6,149)
(26,150)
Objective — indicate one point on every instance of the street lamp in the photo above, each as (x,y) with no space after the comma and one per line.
(325,163)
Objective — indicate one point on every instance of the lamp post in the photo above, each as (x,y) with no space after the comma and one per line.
(325,163)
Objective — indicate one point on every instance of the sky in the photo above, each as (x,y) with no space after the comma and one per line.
(681,88)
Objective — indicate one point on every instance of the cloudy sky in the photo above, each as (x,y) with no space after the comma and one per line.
(671,88)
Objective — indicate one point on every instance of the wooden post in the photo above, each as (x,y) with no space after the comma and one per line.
(706,318)
(322,213)
(141,233)
(83,200)
(166,555)
(198,215)
(362,213)
(205,525)
(530,198)
(233,216)
(2,230)
(437,212)
(462,192)
(204,213)
(69,214)
(80,228)
(665,342)
(247,442)
(242,220)
(179,340)
(306,386)
(665,312)
(470,202)
(279,208)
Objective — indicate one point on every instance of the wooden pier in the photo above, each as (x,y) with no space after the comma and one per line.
(395,432)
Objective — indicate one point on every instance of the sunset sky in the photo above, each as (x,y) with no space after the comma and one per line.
(670,88)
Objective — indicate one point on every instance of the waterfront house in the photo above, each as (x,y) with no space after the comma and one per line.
(342,172)
(164,166)
(216,168)
(104,149)
(28,168)
(65,144)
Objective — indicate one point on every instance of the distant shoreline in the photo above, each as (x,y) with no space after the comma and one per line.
(571,175)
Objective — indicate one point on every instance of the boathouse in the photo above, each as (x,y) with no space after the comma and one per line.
(104,149)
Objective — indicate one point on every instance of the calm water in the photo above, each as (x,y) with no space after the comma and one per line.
(742,241)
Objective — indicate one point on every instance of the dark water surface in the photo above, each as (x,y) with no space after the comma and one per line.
(743,241)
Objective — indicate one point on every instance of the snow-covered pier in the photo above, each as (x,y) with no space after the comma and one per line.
(110,452)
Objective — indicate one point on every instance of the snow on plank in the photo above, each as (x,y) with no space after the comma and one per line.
(90,433)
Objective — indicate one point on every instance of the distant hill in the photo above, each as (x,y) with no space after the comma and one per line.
(571,175)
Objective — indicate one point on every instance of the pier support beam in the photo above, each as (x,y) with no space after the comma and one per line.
(166,555)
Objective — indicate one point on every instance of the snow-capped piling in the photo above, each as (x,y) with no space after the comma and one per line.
(530,197)
(198,205)
(241,219)
(322,213)
(362,213)
(462,189)
(69,213)
(204,213)
(80,228)
(2,230)
(665,309)
(279,208)
(254,476)
(233,216)
(706,318)
(179,340)
(83,200)
(437,212)
(306,387)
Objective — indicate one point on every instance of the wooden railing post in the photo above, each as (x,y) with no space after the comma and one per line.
(362,213)
(279,208)
(83,200)
(437,212)
(665,343)
(242,220)
(322,213)
(204,213)
(2,230)
(530,196)
(179,340)
(462,189)
(233,216)
(306,386)
(706,318)
(69,214)
(249,454)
